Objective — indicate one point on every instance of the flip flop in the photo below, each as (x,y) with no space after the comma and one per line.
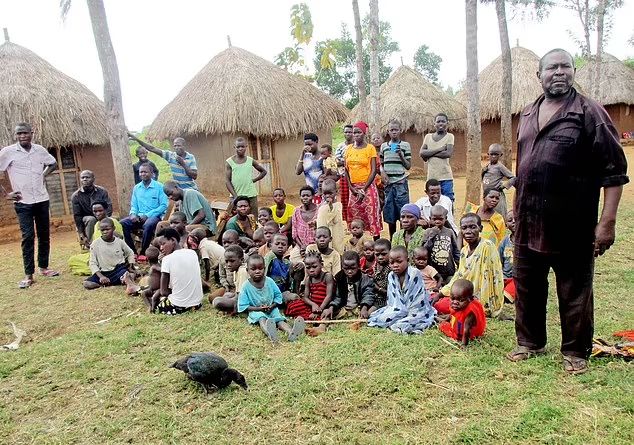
(49,273)
(298,329)
(25,284)
(575,365)
(524,353)
(271,331)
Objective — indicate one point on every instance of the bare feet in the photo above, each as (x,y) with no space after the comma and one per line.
(131,287)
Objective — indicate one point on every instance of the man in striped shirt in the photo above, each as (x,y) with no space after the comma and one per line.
(396,160)
(182,163)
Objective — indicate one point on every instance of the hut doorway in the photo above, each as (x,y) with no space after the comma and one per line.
(262,150)
(63,182)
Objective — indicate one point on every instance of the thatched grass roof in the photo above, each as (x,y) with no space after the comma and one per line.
(239,92)
(62,111)
(414,101)
(617,80)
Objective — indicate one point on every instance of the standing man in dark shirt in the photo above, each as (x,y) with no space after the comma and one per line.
(82,201)
(568,149)
(141,154)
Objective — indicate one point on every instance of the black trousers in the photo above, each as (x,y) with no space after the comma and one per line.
(34,218)
(574,273)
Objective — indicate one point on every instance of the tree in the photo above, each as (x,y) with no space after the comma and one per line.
(427,63)
(340,79)
(291,58)
(474,131)
(506,118)
(359,51)
(113,101)
(584,12)
(603,11)
(375,111)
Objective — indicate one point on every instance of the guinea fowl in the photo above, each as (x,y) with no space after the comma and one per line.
(210,370)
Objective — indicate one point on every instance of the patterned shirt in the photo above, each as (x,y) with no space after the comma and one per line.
(560,171)
(25,170)
(178,172)
(392,163)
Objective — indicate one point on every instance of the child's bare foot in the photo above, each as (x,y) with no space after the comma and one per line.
(131,287)
(298,329)
(154,301)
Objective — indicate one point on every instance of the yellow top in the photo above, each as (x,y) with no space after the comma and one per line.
(288,213)
(359,163)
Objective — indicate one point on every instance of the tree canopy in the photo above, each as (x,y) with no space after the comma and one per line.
(427,63)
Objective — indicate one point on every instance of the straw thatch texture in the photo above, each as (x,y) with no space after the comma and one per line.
(62,111)
(617,80)
(414,101)
(239,92)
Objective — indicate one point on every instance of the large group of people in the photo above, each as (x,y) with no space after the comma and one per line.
(286,267)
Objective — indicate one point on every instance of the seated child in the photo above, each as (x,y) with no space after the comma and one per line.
(258,242)
(269,229)
(331,260)
(331,171)
(110,258)
(382,249)
(225,277)
(354,295)
(278,267)
(368,260)
(441,243)
(181,287)
(506,257)
(431,277)
(467,320)
(260,298)
(211,253)
(319,287)
(480,264)
(408,309)
(78,263)
(178,222)
(265,214)
(234,257)
(151,294)
(357,236)
(330,214)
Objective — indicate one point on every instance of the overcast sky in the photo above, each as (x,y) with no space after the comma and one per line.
(162,44)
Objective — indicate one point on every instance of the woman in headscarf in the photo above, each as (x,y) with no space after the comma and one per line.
(411,234)
(361,169)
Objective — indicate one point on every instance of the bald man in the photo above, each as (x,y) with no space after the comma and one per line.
(182,163)
(82,201)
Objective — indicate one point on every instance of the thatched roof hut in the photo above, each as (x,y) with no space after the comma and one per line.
(414,101)
(67,118)
(62,110)
(240,94)
(617,80)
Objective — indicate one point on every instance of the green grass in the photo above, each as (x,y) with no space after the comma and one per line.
(74,381)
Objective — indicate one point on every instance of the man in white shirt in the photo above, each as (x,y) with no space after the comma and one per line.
(27,165)
(432,188)
(181,286)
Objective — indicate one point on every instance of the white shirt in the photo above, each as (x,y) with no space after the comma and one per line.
(185,281)
(444,201)
(26,171)
(211,251)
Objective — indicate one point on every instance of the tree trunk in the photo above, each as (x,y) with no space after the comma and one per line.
(375,112)
(596,90)
(506,120)
(474,136)
(586,27)
(359,52)
(114,105)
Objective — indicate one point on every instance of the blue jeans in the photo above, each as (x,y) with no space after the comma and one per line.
(396,196)
(32,218)
(149,226)
(446,188)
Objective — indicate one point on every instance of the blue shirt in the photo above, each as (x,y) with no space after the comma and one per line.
(178,172)
(149,201)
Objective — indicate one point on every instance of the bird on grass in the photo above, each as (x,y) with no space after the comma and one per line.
(210,370)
